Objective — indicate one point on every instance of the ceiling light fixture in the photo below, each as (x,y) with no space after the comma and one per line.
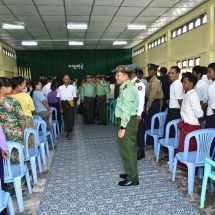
(75,43)
(8,26)
(29,43)
(119,43)
(136,27)
(77,26)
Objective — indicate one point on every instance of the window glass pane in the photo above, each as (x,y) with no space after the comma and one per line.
(156,43)
(173,34)
(190,27)
(184,64)
(190,63)
(184,29)
(198,22)
(204,19)
(159,41)
(162,40)
(150,46)
(179,32)
(179,64)
(197,61)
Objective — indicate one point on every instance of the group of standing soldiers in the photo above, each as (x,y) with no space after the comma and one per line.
(94,93)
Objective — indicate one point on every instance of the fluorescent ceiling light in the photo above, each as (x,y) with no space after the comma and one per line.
(75,43)
(119,43)
(77,26)
(133,27)
(8,26)
(29,43)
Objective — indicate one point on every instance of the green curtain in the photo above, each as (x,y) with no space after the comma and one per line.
(56,63)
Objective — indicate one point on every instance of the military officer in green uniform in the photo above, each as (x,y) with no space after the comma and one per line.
(102,93)
(127,125)
(88,94)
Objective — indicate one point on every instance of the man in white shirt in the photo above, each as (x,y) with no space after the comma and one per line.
(140,76)
(191,113)
(175,98)
(141,97)
(201,87)
(67,93)
(47,88)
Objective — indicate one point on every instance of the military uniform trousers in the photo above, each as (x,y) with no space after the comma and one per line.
(155,108)
(128,149)
(89,113)
(102,108)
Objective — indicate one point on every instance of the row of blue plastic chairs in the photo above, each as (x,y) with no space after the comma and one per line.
(193,160)
(14,173)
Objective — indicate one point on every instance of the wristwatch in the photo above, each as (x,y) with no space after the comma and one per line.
(122,128)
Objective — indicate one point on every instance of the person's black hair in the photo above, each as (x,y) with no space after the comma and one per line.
(205,70)
(128,73)
(112,80)
(163,70)
(49,78)
(5,82)
(53,86)
(198,70)
(212,66)
(16,81)
(33,84)
(176,68)
(140,72)
(191,78)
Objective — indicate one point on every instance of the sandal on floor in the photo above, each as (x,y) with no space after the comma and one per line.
(69,136)
(165,158)
(148,146)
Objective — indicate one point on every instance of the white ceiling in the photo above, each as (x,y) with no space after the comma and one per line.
(45,21)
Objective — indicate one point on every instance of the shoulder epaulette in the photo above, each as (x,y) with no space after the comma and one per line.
(137,81)
(124,87)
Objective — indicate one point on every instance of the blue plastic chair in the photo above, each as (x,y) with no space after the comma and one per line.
(14,173)
(193,159)
(6,201)
(170,143)
(32,153)
(55,123)
(43,142)
(156,133)
(35,116)
(208,173)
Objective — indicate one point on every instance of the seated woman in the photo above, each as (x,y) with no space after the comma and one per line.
(54,101)
(27,104)
(191,113)
(12,120)
(40,102)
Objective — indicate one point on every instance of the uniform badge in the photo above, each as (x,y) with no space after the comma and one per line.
(124,87)
(140,88)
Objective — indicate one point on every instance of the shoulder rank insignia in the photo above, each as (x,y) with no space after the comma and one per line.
(137,81)
(124,87)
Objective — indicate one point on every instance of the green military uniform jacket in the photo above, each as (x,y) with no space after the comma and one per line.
(127,103)
(102,89)
(88,90)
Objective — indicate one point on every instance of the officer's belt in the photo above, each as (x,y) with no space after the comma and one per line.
(100,95)
(118,118)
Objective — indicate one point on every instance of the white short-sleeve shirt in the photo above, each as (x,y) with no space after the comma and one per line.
(66,92)
(46,89)
(191,108)
(202,90)
(176,93)
(211,99)
(141,94)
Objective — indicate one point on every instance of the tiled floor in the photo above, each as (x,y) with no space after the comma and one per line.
(91,170)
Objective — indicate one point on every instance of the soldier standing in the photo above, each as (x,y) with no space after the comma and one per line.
(88,93)
(127,125)
(102,93)
(154,99)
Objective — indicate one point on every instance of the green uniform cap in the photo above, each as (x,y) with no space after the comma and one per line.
(123,68)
